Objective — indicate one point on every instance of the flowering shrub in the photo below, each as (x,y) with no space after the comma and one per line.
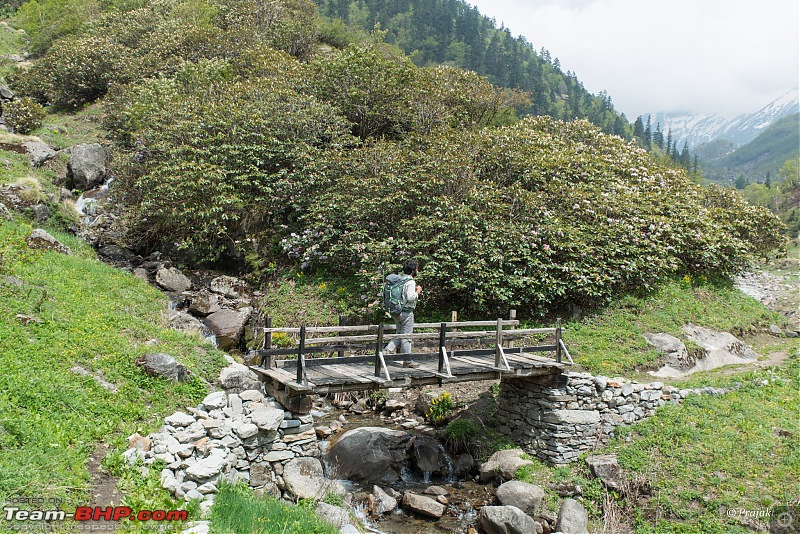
(23,115)
(441,407)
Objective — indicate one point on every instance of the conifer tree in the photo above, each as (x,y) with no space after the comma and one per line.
(648,135)
(669,146)
(658,136)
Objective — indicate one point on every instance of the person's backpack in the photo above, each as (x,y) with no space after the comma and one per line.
(394,299)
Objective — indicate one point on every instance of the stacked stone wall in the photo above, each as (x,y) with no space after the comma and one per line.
(557,417)
(236,436)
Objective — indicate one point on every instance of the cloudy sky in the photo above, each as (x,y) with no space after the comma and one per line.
(701,56)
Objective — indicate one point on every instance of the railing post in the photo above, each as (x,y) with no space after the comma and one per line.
(558,340)
(498,351)
(267,361)
(378,349)
(442,348)
(341,323)
(512,316)
(301,362)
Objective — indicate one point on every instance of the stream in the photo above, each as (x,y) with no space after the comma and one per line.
(464,496)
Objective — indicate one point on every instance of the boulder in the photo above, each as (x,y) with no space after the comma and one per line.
(572,518)
(503,465)
(208,467)
(39,153)
(163,365)
(184,322)
(41,213)
(607,469)
(86,168)
(228,326)
(422,505)
(384,502)
(429,456)
(237,378)
(506,520)
(172,280)
(215,401)
(369,454)
(304,478)
(721,348)
(41,240)
(338,517)
(180,419)
(204,303)
(226,286)
(265,418)
(5,92)
(527,497)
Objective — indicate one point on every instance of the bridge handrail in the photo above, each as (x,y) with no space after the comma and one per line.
(374,327)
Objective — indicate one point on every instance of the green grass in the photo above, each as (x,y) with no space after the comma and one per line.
(237,511)
(88,314)
(612,342)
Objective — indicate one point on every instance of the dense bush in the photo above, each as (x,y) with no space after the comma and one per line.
(23,115)
(532,216)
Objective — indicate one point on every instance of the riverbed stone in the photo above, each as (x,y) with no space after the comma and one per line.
(172,279)
(228,326)
(422,505)
(336,516)
(384,502)
(505,520)
(502,465)
(527,497)
(369,454)
(86,167)
(304,478)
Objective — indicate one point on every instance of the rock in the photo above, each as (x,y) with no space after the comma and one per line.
(503,465)
(172,280)
(41,213)
(422,505)
(215,401)
(369,454)
(463,464)
(429,455)
(204,303)
(607,469)
(163,365)
(384,502)
(137,441)
(41,240)
(39,153)
(572,518)
(775,330)
(675,354)
(338,517)
(505,520)
(304,478)
(226,286)
(237,378)
(527,497)
(208,467)
(184,322)
(5,213)
(251,395)
(228,326)
(86,168)
(116,254)
(5,92)
(572,417)
(247,430)
(721,348)
(180,419)
(349,529)
(266,418)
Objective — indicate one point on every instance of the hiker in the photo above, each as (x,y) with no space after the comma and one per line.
(400,294)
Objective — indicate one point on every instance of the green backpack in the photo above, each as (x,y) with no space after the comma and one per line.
(394,300)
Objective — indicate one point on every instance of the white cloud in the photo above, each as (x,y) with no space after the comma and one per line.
(703,56)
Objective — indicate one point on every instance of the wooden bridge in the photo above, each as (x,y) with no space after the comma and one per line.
(456,352)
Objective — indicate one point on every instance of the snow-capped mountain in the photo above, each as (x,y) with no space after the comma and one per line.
(698,129)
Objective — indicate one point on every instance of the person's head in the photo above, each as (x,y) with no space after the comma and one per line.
(410,267)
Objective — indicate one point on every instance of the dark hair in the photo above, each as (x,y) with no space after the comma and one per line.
(410,266)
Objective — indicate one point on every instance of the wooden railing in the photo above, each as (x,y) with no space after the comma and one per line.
(369,340)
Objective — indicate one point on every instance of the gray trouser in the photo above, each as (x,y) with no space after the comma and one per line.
(405,325)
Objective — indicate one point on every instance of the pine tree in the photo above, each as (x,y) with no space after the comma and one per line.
(658,136)
(638,130)
(685,158)
(648,135)
(768,181)
(695,166)
(669,147)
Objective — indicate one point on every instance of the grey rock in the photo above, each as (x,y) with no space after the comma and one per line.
(369,454)
(208,467)
(247,430)
(266,418)
(572,518)
(41,240)
(86,168)
(172,280)
(237,378)
(338,517)
(384,502)
(163,365)
(573,417)
(527,497)
(5,213)
(251,395)
(505,520)
(226,286)
(503,465)
(775,330)
(675,354)
(429,456)
(607,469)
(204,303)
(180,419)
(349,529)
(228,326)
(304,478)
(216,400)
(5,92)
(39,153)
(184,322)
(422,505)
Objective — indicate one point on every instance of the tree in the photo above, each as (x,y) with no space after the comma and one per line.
(658,136)
(768,181)
(638,130)
(669,148)
(648,135)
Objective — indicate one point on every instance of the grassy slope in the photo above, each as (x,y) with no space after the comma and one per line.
(91,315)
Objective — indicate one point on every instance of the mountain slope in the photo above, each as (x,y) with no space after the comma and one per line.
(765,154)
(451,32)
(699,129)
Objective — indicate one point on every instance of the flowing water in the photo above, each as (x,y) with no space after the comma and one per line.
(464,497)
